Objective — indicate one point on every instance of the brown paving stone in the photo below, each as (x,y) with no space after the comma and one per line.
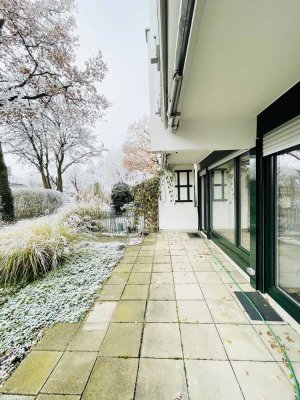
(122,340)
(112,379)
(135,292)
(71,373)
(58,337)
(139,278)
(161,379)
(129,311)
(111,292)
(32,373)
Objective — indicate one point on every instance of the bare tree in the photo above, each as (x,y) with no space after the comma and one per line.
(137,153)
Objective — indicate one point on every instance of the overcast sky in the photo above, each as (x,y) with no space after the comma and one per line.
(117,28)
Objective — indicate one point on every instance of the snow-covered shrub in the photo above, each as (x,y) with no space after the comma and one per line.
(30,249)
(93,210)
(30,203)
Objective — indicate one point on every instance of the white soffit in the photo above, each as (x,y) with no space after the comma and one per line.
(246,56)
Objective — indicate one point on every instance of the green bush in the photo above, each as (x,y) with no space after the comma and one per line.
(30,203)
(121,195)
(146,196)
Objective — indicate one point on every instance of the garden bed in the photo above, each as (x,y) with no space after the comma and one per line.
(64,295)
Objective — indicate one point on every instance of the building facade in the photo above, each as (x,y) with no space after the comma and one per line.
(225,116)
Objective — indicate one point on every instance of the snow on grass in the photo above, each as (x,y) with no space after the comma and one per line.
(64,295)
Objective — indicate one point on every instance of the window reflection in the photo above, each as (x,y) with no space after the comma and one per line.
(223,194)
(245,200)
(288,223)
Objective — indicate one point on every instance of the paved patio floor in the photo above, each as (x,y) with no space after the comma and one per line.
(167,325)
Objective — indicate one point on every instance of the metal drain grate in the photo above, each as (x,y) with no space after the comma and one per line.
(268,313)
(194,235)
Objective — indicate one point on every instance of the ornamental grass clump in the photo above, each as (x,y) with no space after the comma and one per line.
(29,250)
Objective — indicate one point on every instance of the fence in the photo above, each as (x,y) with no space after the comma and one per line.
(124,222)
(289,219)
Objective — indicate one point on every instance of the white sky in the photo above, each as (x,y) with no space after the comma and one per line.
(117,28)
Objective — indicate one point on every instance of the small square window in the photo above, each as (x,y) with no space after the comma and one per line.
(183,186)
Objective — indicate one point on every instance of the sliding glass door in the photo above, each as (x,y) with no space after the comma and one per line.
(287,217)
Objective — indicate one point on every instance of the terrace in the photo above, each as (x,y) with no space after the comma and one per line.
(167,325)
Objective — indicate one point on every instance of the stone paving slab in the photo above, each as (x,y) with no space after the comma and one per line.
(122,340)
(71,373)
(15,397)
(211,380)
(260,380)
(161,341)
(58,337)
(161,311)
(148,338)
(201,341)
(112,379)
(161,379)
(194,311)
(88,339)
(57,397)
(32,373)
(129,311)
(135,292)
(111,292)
(162,292)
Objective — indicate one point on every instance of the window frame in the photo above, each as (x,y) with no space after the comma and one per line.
(188,186)
(222,184)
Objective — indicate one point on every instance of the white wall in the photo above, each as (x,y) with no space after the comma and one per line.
(179,216)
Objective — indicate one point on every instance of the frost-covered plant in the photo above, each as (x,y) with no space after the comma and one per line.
(30,203)
(92,209)
(32,248)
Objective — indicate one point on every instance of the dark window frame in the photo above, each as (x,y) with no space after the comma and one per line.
(188,186)
(222,184)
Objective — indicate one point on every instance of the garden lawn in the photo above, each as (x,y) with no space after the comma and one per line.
(64,295)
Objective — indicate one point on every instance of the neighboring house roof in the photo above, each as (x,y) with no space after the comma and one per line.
(16,181)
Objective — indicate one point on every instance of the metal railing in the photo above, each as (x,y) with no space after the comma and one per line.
(125,222)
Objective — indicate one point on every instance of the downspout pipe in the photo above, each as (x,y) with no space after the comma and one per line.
(183,35)
(163,11)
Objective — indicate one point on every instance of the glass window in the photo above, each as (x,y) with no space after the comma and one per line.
(223,200)
(183,185)
(245,200)
(288,223)
(203,203)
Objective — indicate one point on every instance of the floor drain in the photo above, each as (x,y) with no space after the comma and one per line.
(194,235)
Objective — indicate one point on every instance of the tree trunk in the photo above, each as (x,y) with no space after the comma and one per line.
(45,180)
(59,180)
(6,197)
